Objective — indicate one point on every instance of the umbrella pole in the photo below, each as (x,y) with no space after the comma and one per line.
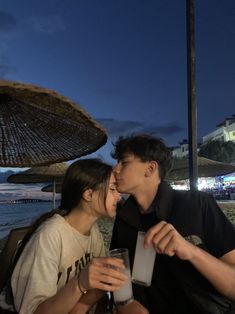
(54,194)
(192,107)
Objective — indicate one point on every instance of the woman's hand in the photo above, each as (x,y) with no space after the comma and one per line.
(104,273)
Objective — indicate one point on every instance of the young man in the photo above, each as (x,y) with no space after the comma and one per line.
(194,270)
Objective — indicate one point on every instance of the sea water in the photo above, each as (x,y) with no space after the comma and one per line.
(14,215)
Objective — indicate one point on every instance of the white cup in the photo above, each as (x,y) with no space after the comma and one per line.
(125,294)
(143,262)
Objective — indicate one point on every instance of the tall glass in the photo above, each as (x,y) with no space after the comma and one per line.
(125,293)
(143,262)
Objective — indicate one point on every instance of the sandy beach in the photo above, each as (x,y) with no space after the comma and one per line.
(229,210)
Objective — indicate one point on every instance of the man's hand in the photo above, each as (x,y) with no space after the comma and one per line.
(166,240)
(133,307)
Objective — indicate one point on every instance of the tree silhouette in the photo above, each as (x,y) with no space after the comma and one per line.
(218,150)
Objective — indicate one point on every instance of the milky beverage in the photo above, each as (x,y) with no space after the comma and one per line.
(125,293)
(143,262)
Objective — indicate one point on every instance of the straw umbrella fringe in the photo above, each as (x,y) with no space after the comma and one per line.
(38,127)
(49,188)
(206,168)
(52,173)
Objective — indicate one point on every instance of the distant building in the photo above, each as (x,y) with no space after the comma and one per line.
(225,131)
(181,150)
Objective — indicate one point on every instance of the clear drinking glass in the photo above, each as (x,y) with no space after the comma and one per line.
(143,262)
(125,293)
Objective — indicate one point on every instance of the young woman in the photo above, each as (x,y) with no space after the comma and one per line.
(62,268)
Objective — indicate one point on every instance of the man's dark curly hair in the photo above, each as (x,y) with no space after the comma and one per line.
(146,147)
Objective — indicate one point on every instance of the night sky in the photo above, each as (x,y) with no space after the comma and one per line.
(124,61)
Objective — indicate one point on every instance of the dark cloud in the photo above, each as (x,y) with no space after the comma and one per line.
(11,191)
(165,130)
(5,70)
(5,66)
(47,24)
(11,187)
(116,128)
(7,22)
(107,92)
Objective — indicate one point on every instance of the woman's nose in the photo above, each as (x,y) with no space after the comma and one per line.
(119,196)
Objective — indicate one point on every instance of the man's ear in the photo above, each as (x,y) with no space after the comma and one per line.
(87,195)
(151,168)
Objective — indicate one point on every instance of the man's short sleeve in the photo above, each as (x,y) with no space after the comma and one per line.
(219,231)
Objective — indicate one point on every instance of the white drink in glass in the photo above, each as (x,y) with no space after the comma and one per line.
(125,293)
(143,262)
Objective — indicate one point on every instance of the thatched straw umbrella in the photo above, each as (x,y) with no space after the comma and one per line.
(38,127)
(49,188)
(52,173)
(206,168)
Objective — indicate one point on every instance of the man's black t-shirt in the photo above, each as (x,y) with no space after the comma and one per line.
(177,287)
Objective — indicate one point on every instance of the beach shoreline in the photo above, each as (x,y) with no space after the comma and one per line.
(106,224)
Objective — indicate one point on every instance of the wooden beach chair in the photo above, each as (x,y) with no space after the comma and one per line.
(8,253)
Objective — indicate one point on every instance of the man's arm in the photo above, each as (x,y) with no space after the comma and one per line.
(219,272)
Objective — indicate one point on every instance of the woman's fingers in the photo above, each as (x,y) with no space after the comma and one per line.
(104,273)
(110,261)
(107,283)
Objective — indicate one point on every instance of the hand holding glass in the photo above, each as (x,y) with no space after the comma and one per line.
(124,294)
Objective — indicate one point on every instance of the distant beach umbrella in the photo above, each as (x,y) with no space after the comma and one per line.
(49,188)
(39,127)
(41,174)
(206,168)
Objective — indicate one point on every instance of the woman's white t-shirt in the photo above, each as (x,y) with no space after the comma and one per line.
(54,254)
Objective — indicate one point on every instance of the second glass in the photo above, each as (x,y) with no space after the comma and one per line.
(125,293)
